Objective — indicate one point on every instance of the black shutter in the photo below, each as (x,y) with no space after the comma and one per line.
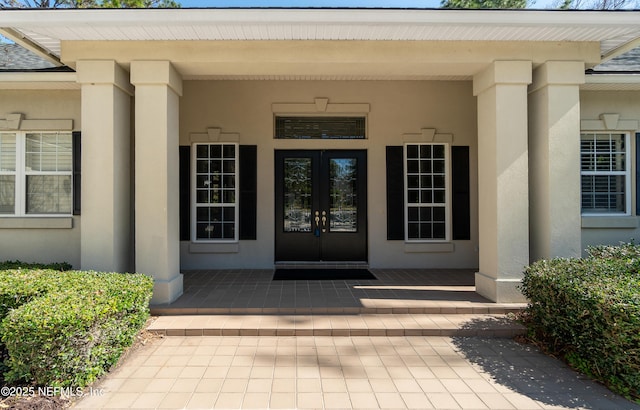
(77,167)
(185,192)
(395,193)
(460,202)
(638,173)
(248,203)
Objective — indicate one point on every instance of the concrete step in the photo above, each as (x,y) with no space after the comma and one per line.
(481,325)
(392,307)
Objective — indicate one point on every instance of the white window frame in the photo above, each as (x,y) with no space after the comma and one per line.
(195,205)
(447,204)
(626,173)
(21,173)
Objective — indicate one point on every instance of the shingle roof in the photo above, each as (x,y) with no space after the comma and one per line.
(627,62)
(13,57)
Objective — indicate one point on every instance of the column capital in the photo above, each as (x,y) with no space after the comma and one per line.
(92,72)
(502,72)
(156,73)
(557,73)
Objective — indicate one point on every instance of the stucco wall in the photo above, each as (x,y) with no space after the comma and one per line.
(627,104)
(396,108)
(37,244)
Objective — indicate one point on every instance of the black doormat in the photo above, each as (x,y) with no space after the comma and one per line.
(323,274)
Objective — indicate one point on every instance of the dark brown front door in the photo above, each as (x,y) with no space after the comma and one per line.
(321,205)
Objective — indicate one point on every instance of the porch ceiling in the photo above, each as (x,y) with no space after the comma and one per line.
(50,31)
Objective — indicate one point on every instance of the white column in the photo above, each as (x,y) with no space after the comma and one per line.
(554,158)
(503,193)
(157,102)
(106,177)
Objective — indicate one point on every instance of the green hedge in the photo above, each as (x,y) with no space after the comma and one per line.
(68,328)
(59,266)
(20,282)
(588,312)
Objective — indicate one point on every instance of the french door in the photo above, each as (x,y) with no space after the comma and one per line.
(321,205)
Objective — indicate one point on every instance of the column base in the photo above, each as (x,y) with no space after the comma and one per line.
(499,290)
(167,291)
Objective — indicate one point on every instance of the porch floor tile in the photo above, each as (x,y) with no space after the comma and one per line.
(396,291)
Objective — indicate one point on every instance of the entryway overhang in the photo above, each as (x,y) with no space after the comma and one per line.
(324,43)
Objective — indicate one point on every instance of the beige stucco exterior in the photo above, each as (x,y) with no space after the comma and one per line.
(625,104)
(398,111)
(516,104)
(45,239)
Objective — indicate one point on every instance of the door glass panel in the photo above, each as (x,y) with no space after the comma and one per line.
(342,191)
(297,195)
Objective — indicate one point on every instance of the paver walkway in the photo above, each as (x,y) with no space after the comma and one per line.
(422,372)
(238,339)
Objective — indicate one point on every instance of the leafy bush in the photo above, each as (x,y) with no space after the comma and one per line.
(18,287)
(59,266)
(20,282)
(68,328)
(588,312)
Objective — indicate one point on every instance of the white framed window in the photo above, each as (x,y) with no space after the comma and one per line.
(605,173)
(427,196)
(36,173)
(215,192)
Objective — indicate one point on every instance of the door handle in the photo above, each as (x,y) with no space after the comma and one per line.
(324,221)
(316,231)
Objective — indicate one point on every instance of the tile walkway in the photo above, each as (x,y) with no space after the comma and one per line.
(237,339)
(320,372)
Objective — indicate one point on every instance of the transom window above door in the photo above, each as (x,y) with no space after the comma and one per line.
(298,127)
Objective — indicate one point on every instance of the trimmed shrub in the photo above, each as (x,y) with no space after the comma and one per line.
(59,266)
(587,311)
(20,282)
(18,287)
(74,325)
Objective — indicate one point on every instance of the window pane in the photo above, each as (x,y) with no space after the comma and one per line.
(229,151)
(438,151)
(426,196)
(412,151)
(603,193)
(426,166)
(7,152)
(426,222)
(215,222)
(426,204)
(48,194)
(320,127)
(215,180)
(202,151)
(48,152)
(7,194)
(425,151)
(603,164)
(212,172)
(215,151)
(413,167)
